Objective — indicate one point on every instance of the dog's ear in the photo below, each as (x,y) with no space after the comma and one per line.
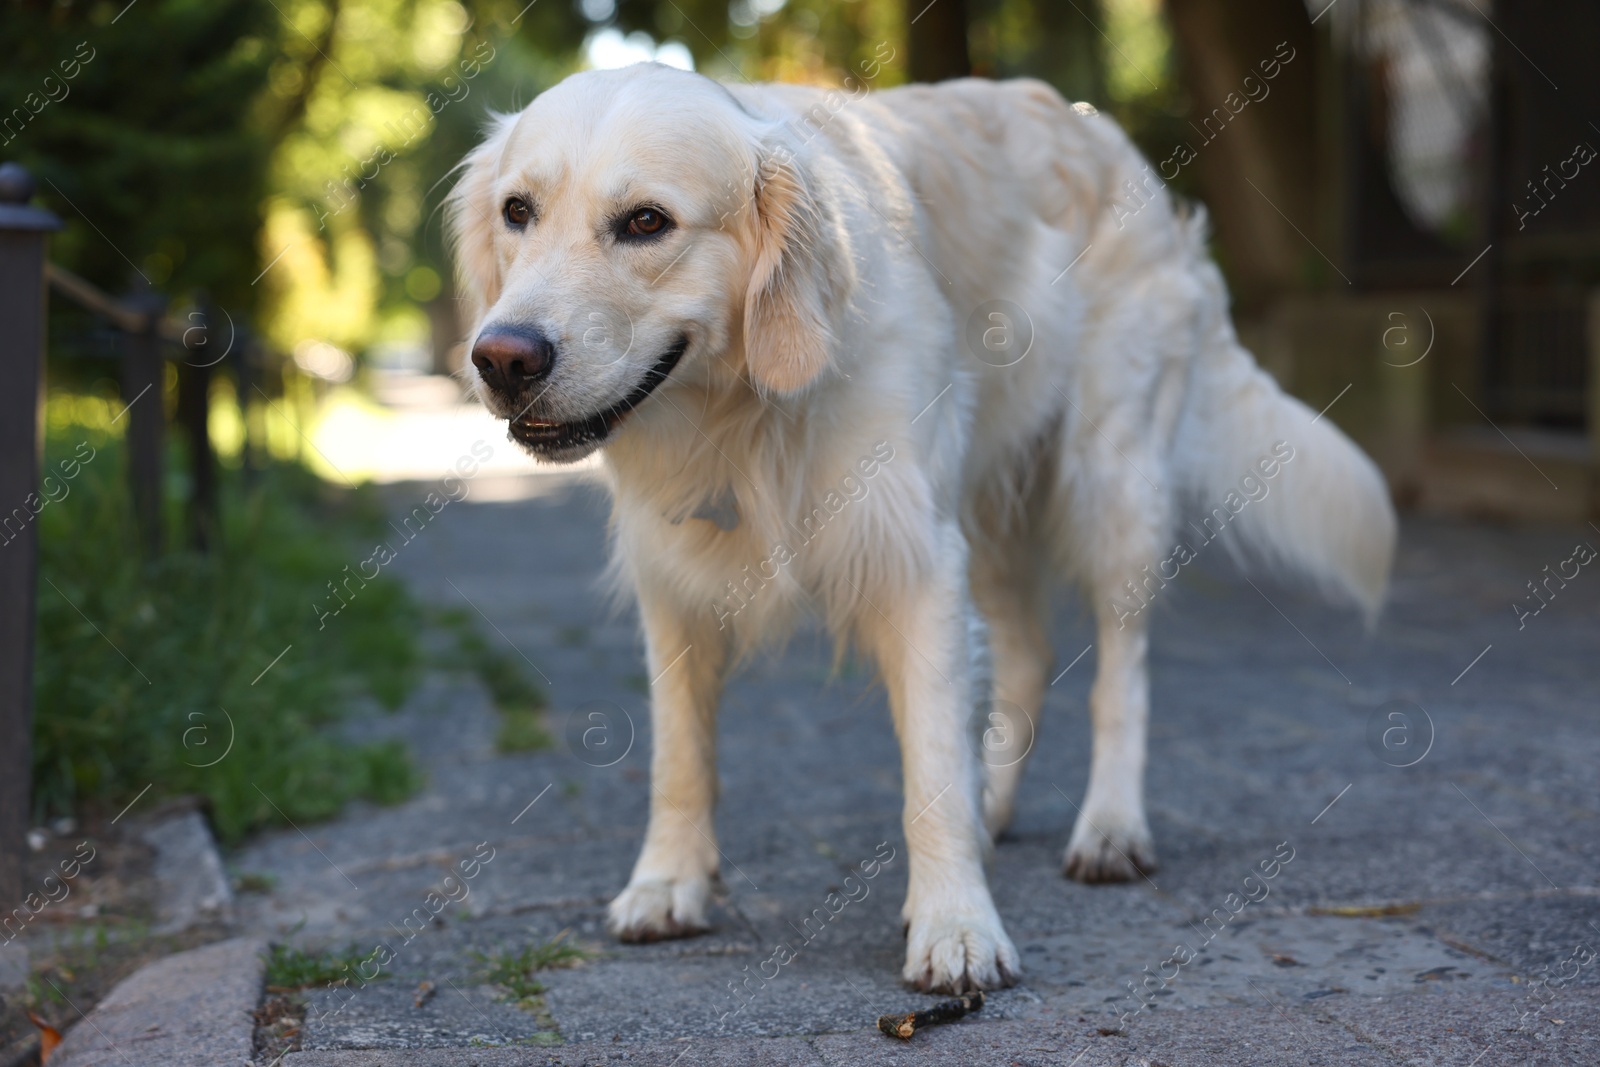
(470,220)
(802,276)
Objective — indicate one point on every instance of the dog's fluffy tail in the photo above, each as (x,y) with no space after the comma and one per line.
(1297,494)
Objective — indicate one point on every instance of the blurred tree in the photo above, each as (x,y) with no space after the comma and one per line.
(938,39)
(135,125)
(1238,143)
(1048,39)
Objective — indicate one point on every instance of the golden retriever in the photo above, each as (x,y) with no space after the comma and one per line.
(901,359)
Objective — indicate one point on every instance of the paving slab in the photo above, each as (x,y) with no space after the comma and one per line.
(1423,892)
(746,1053)
(192,1009)
(1463,1028)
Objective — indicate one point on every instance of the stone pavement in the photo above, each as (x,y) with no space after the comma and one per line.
(1421,911)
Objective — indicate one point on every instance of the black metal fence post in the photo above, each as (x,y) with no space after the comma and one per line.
(194,414)
(143,372)
(23,232)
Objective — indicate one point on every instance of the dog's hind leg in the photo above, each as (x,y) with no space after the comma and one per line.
(1008,588)
(1117,517)
(1114,504)
(1111,840)
(671,882)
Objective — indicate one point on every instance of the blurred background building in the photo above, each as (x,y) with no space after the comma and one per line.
(1401,190)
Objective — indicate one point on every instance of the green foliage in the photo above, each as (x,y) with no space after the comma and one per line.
(139,140)
(514,971)
(168,672)
(290,968)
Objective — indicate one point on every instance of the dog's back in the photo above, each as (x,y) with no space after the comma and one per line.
(1024,198)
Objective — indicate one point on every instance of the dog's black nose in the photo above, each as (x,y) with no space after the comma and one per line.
(508,357)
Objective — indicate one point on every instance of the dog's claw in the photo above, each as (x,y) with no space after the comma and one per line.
(1093,858)
(959,955)
(659,910)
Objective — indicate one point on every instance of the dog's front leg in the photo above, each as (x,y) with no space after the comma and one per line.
(955,941)
(671,882)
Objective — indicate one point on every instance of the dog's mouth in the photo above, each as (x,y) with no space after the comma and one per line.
(546,435)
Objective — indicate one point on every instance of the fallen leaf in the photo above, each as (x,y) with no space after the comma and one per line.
(49,1036)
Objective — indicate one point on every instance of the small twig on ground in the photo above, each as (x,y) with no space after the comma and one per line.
(946,1011)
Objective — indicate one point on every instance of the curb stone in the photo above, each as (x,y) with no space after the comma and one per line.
(14,967)
(191,885)
(193,1009)
(14,970)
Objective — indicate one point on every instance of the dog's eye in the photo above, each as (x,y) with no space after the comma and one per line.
(517,211)
(646,222)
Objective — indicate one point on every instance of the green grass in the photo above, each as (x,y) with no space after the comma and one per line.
(290,968)
(520,701)
(146,671)
(514,971)
(542,1039)
(521,730)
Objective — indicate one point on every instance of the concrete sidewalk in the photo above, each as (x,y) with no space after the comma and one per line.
(1421,909)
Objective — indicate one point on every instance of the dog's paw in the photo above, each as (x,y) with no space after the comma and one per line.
(657,909)
(960,953)
(1111,856)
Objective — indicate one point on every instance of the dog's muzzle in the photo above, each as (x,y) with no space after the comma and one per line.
(547,436)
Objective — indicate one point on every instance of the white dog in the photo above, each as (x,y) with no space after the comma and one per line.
(901,358)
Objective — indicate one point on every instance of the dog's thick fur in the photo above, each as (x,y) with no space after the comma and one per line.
(833,437)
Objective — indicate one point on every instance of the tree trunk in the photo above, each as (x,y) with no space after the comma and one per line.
(1268,142)
(938,32)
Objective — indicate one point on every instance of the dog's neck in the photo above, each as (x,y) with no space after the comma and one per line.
(711,448)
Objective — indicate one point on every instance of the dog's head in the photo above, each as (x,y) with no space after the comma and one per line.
(633,226)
